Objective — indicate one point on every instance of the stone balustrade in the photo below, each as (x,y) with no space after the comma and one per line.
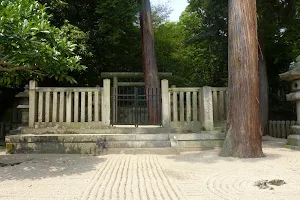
(196,108)
(193,109)
(52,106)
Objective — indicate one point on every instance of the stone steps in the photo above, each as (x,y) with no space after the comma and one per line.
(107,130)
(85,143)
(89,148)
(205,144)
(88,138)
(134,151)
(104,130)
(138,144)
(203,140)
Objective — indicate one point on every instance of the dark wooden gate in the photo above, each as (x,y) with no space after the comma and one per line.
(130,106)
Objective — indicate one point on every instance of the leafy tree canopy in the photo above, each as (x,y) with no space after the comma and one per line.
(31,48)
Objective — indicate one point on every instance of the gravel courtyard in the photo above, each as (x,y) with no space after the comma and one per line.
(192,175)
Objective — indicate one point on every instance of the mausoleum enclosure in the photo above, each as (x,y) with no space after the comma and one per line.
(91,107)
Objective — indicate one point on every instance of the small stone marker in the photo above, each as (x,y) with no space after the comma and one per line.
(277,182)
(101,144)
(265,184)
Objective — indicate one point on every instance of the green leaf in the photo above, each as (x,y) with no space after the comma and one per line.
(25,23)
(45,51)
(47,32)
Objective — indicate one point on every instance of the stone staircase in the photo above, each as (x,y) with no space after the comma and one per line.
(198,141)
(154,140)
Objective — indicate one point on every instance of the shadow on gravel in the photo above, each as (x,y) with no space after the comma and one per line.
(211,156)
(39,166)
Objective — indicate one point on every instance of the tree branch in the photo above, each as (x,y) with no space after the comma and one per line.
(17,68)
(4,58)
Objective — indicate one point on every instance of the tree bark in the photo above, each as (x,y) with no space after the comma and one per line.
(243,137)
(149,64)
(263,87)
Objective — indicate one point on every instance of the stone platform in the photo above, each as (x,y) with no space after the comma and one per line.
(117,140)
(293,141)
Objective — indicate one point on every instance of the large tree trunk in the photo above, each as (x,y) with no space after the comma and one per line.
(263,89)
(149,62)
(243,137)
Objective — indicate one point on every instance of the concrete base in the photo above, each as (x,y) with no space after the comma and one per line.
(293,142)
(295,130)
(292,147)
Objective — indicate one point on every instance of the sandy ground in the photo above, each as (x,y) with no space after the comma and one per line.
(193,175)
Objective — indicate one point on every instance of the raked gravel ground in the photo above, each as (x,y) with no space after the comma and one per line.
(192,175)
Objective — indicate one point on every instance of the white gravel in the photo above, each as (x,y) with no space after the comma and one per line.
(193,175)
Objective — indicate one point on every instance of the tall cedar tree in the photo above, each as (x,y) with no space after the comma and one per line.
(243,138)
(149,63)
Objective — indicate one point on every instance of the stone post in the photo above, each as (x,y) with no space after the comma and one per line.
(208,116)
(32,103)
(174,101)
(115,99)
(106,102)
(23,105)
(298,111)
(165,103)
(68,106)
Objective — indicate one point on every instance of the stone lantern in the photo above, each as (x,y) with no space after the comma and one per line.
(23,105)
(293,76)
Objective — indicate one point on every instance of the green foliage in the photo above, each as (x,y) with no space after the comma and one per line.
(118,35)
(160,14)
(30,48)
(193,48)
(207,34)
(36,45)
(77,36)
(168,49)
(278,28)
(113,35)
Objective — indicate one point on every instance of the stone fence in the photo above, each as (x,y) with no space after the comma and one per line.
(89,107)
(70,106)
(194,108)
(280,129)
(220,105)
